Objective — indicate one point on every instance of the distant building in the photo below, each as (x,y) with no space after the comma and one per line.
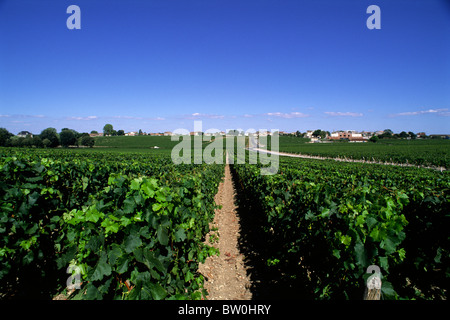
(367,134)
(340,135)
(212,133)
(443,136)
(24,134)
(347,135)
(263,133)
(98,134)
(421,135)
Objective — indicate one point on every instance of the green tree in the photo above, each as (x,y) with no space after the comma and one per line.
(120,132)
(27,142)
(47,143)
(37,142)
(319,133)
(374,139)
(68,138)
(15,141)
(4,136)
(403,134)
(80,137)
(108,129)
(51,135)
(87,141)
(386,134)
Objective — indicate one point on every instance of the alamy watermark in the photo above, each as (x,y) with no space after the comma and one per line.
(374,20)
(74,280)
(74,20)
(227,145)
(373,283)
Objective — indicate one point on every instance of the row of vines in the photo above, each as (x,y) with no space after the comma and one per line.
(432,153)
(324,223)
(125,226)
(132,226)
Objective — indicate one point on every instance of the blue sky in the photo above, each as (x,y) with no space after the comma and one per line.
(262,64)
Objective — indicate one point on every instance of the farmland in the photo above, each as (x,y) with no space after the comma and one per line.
(133,224)
(325,222)
(130,223)
(418,152)
(137,142)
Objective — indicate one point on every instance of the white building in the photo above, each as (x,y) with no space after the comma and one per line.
(24,134)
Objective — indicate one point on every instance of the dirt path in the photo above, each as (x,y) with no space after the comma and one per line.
(225,275)
(306,156)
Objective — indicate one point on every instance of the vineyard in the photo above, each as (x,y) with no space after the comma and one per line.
(131,224)
(134,224)
(324,223)
(432,153)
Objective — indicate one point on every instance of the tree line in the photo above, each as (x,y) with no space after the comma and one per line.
(48,138)
(387,134)
(108,130)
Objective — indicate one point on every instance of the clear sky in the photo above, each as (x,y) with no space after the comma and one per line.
(265,64)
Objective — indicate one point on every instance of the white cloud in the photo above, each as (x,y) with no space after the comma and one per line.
(197,115)
(442,112)
(290,115)
(137,118)
(343,114)
(21,116)
(83,118)
(127,117)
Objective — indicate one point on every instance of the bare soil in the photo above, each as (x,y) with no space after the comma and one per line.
(226,275)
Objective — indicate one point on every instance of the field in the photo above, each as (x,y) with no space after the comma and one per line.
(127,223)
(136,142)
(419,152)
(325,222)
(130,224)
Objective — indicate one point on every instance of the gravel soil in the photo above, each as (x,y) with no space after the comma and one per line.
(226,275)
